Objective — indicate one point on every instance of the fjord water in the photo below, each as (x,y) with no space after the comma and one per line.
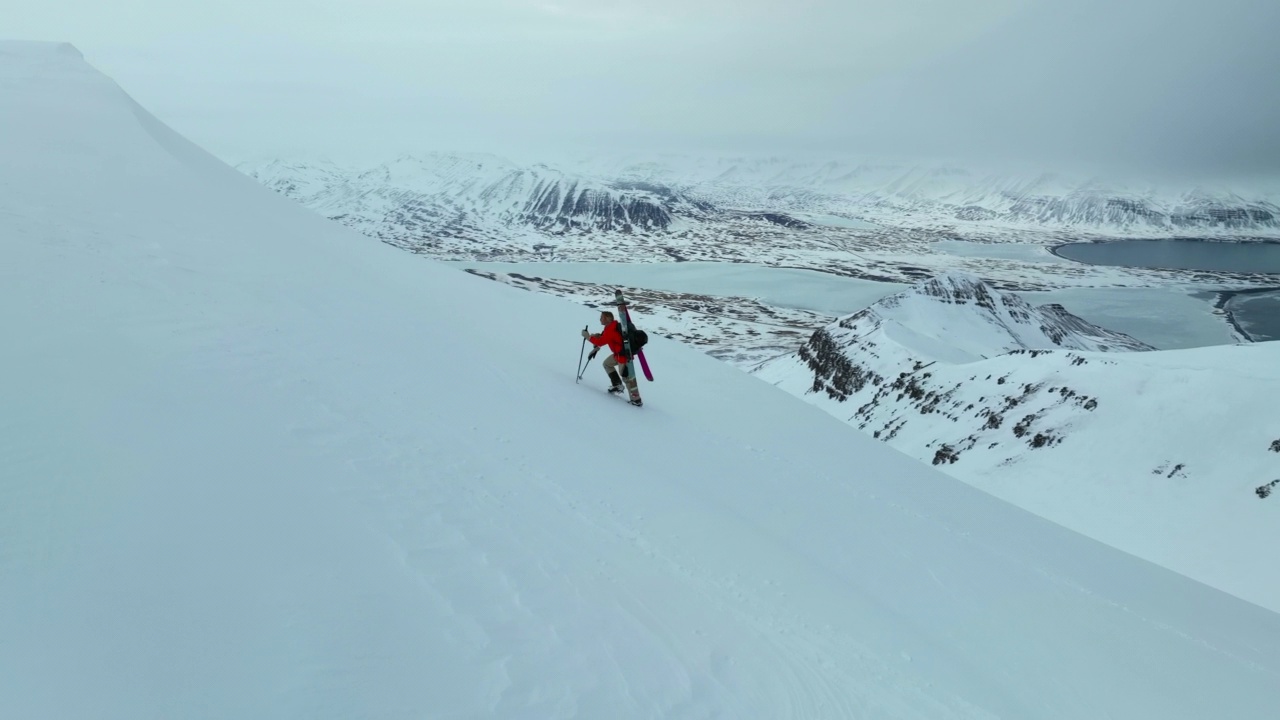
(1178,254)
(1255,314)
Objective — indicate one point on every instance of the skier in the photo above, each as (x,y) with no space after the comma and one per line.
(611,336)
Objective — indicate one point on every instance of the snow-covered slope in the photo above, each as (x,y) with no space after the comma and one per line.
(1161,454)
(253,465)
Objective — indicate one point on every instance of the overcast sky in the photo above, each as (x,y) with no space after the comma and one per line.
(1178,85)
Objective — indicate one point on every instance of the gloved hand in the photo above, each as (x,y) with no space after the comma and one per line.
(592,355)
(586,333)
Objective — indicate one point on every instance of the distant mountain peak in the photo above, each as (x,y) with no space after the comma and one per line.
(419,200)
(956,287)
(26,50)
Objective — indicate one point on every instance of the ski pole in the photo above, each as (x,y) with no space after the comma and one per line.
(582,350)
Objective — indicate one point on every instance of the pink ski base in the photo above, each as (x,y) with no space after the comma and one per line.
(644,365)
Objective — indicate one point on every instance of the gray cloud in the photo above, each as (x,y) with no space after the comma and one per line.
(1165,86)
(1185,85)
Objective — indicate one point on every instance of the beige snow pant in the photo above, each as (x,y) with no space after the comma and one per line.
(612,366)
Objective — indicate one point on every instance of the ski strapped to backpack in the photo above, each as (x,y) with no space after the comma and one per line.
(633,338)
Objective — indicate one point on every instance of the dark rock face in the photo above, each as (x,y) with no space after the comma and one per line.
(850,358)
(1085,209)
(784,220)
(953,291)
(833,371)
(1232,217)
(974,213)
(563,207)
(452,197)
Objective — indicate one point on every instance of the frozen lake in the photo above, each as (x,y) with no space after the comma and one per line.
(1168,318)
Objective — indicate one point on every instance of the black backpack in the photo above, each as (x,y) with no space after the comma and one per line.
(638,338)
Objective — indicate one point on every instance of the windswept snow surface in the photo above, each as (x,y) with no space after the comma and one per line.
(253,465)
(1157,453)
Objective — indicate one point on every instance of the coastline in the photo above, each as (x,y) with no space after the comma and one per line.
(1222,298)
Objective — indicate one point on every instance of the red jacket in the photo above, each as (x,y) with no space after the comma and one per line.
(611,336)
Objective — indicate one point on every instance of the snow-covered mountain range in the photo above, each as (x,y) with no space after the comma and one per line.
(422,201)
(255,465)
(941,194)
(416,199)
(1162,454)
